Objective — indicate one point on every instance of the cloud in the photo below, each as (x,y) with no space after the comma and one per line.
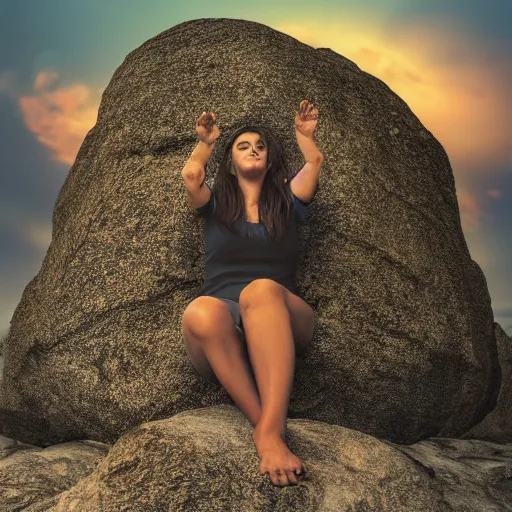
(45,80)
(38,234)
(442,72)
(446,76)
(469,210)
(61,116)
(493,192)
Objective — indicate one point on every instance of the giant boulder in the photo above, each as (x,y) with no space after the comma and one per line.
(404,346)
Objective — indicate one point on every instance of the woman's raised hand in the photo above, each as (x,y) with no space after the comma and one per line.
(306,118)
(206,129)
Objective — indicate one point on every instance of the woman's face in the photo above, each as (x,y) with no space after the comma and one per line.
(249,152)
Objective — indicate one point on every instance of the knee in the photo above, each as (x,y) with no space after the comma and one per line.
(258,289)
(202,317)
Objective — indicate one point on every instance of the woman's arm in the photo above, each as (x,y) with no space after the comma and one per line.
(305,183)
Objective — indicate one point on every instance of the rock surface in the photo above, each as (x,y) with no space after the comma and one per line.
(32,478)
(497,425)
(205,460)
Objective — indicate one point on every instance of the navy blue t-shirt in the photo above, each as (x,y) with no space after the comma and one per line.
(232,261)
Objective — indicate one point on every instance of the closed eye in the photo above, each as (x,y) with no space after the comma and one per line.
(260,146)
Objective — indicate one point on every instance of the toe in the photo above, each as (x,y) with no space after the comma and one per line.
(279,478)
(301,472)
(292,477)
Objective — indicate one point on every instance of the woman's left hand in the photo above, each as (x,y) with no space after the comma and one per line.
(306,118)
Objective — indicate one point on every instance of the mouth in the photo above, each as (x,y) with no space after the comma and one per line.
(255,157)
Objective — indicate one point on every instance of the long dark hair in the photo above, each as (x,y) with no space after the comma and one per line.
(275,203)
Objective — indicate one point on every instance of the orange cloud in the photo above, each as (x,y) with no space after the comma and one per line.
(60,118)
(45,79)
(445,76)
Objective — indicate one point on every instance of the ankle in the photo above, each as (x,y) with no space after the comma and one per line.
(262,430)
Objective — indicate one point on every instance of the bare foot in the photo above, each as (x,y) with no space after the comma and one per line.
(276,459)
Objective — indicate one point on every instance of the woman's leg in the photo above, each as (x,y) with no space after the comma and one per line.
(271,348)
(219,353)
(270,343)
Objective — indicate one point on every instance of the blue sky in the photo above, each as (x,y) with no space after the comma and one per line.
(57,56)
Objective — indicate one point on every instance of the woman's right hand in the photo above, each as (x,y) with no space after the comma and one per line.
(206,129)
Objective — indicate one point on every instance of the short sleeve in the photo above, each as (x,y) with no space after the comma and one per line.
(207,209)
(300,207)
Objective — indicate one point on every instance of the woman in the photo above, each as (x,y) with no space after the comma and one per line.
(244,329)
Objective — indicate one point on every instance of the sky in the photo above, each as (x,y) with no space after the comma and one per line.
(449,60)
